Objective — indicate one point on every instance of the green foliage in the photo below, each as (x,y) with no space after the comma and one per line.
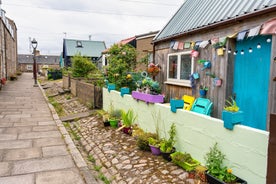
(143,140)
(154,142)
(152,85)
(128,117)
(214,162)
(103,178)
(182,157)
(121,61)
(82,66)
(58,107)
(167,145)
(231,105)
(91,159)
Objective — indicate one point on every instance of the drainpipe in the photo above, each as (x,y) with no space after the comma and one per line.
(5,51)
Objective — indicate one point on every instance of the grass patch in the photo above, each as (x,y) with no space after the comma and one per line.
(104,178)
(90,158)
(97,167)
(58,107)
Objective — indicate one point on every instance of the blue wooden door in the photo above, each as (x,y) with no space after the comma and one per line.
(251,80)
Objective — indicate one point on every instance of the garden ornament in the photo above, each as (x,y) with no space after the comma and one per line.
(206,64)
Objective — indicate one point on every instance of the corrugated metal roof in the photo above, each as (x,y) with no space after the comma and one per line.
(195,14)
(87,48)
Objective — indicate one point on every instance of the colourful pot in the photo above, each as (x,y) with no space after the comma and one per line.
(113,123)
(202,93)
(176,104)
(232,118)
(155,150)
(127,130)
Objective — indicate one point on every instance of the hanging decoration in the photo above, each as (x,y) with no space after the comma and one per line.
(219,43)
(254,31)
(269,27)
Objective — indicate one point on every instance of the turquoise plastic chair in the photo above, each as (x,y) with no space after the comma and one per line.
(203,106)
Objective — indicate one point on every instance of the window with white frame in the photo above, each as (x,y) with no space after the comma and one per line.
(179,68)
(29,67)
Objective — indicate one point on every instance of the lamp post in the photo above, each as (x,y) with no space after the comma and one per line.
(34,45)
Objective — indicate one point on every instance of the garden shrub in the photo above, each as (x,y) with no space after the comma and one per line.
(121,61)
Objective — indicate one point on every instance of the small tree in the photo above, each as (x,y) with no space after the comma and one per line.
(121,61)
(82,66)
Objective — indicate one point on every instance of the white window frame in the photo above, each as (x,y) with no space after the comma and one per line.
(29,67)
(179,81)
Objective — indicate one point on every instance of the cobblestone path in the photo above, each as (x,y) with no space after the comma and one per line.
(114,156)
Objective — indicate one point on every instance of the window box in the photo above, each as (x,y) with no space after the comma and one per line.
(124,91)
(111,87)
(232,118)
(213,180)
(176,104)
(147,97)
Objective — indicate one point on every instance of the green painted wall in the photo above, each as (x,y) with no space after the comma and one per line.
(245,148)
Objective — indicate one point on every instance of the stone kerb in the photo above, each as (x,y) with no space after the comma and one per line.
(196,133)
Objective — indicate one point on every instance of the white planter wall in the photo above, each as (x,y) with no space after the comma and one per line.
(245,148)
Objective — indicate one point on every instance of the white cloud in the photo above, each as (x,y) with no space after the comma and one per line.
(105,20)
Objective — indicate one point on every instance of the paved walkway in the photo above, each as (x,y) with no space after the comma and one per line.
(34,146)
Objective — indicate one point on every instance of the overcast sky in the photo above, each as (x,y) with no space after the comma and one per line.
(49,21)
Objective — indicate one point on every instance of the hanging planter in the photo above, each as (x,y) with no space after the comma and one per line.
(194,53)
(220,51)
(232,118)
(124,90)
(111,87)
(231,115)
(176,104)
(217,82)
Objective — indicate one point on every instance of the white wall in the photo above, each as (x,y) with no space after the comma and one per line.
(245,148)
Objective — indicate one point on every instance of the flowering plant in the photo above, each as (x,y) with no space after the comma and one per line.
(153,69)
(214,160)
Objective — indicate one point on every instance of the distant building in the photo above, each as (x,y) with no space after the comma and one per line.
(144,48)
(87,48)
(8,46)
(26,61)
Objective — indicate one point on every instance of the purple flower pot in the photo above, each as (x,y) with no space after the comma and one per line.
(155,150)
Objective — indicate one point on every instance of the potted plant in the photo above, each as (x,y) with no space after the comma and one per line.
(105,117)
(217,173)
(154,144)
(203,91)
(167,145)
(142,138)
(115,116)
(184,160)
(231,114)
(128,119)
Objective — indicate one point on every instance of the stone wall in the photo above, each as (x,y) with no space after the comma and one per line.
(85,93)
(73,86)
(66,81)
(246,148)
